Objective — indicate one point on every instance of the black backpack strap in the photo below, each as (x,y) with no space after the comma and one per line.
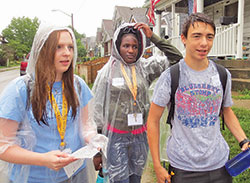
(223,79)
(175,74)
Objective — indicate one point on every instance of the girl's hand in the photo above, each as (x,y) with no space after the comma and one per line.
(146,29)
(56,160)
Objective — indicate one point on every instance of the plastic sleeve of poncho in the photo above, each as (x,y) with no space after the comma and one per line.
(88,125)
(173,54)
(153,66)
(12,131)
(99,89)
(89,130)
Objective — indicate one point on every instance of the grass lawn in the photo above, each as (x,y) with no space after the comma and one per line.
(244,118)
(242,95)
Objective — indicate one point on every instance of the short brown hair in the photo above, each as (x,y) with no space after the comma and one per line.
(196,17)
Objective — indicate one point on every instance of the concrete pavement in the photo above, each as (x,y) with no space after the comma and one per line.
(9,68)
(3,165)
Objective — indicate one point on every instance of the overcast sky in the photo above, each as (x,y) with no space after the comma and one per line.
(88,14)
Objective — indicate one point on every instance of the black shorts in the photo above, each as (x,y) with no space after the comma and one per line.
(215,176)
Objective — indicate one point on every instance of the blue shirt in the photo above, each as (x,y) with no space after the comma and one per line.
(42,138)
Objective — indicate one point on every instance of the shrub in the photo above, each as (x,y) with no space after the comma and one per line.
(3,58)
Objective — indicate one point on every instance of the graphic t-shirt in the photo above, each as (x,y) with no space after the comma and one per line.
(196,143)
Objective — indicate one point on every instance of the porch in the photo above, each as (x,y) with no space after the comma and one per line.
(231,42)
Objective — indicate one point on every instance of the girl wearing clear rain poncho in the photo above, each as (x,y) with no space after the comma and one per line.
(122,102)
(44,115)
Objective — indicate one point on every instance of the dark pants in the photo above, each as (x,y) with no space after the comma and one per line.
(132,179)
(215,176)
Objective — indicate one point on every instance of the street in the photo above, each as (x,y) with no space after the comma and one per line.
(5,78)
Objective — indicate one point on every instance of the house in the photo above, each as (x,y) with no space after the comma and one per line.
(121,15)
(89,43)
(107,35)
(230,16)
(124,14)
(99,51)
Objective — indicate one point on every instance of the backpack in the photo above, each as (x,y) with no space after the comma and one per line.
(175,74)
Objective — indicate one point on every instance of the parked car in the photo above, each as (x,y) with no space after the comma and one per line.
(23,65)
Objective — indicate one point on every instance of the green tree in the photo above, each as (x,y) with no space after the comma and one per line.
(20,34)
(3,58)
(5,53)
(80,47)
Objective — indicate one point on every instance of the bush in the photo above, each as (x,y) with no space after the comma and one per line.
(3,58)
(243,95)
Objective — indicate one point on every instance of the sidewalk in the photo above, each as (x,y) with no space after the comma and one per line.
(3,176)
(9,68)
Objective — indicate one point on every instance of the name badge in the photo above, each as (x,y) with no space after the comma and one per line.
(117,81)
(135,119)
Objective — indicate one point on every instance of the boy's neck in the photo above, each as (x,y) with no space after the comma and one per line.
(197,65)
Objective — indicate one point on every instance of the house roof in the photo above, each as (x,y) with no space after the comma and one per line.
(139,14)
(107,27)
(125,13)
(98,35)
(89,42)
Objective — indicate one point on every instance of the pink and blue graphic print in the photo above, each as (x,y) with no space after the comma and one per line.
(198,105)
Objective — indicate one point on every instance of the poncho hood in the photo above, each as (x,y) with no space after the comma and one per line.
(127,28)
(40,38)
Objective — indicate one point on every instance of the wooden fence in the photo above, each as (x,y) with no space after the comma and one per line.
(88,70)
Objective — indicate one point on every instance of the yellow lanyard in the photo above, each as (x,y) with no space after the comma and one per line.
(60,119)
(132,88)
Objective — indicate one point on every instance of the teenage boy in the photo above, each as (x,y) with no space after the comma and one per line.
(196,149)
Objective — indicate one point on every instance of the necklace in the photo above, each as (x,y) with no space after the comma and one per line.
(61,119)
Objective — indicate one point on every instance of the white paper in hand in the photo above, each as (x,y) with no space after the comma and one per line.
(81,154)
(85,152)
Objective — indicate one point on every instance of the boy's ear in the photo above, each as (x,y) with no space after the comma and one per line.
(183,39)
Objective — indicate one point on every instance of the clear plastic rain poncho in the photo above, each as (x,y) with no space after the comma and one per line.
(18,126)
(118,113)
